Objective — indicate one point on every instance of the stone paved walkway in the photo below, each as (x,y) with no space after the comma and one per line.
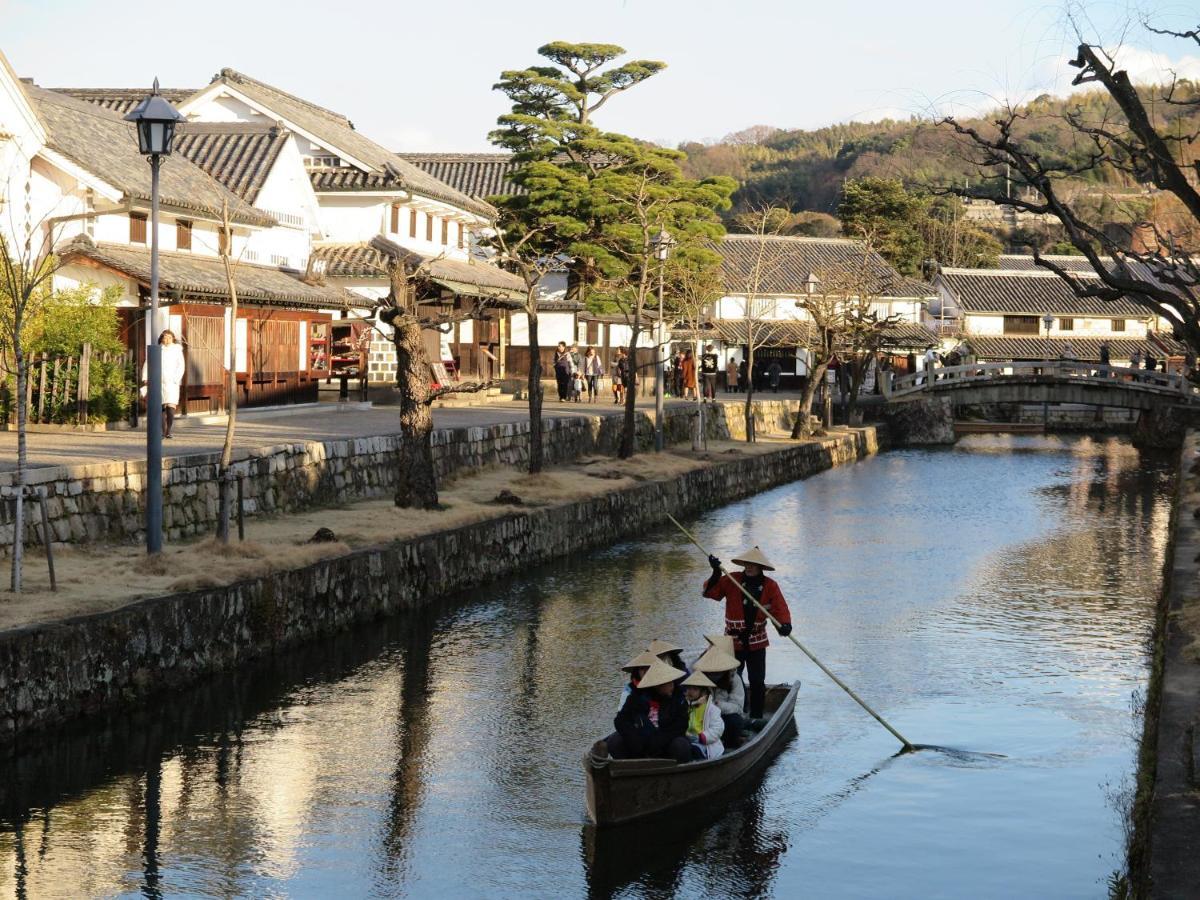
(309,424)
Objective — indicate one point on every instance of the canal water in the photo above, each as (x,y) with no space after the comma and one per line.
(996,597)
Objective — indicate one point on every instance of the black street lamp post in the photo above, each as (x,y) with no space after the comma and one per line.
(155,119)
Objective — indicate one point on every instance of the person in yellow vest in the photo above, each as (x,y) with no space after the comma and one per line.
(705,725)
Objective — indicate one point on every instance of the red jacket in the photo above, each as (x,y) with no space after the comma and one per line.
(727,589)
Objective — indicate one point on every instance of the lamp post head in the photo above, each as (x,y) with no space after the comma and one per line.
(662,243)
(155,119)
(1047,320)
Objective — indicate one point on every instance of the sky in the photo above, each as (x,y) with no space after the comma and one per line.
(418,76)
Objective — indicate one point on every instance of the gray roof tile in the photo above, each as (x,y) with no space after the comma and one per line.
(1029,293)
(478,175)
(239,156)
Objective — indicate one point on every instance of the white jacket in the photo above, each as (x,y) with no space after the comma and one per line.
(712,727)
(732,701)
(172,373)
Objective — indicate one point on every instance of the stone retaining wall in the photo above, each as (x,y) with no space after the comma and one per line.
(106,501)
(53,672)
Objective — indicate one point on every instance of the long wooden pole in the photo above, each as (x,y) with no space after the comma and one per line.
(908,746)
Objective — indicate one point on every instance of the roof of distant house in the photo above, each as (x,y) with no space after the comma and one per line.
(1018,262)
(478,175)
(240,156)
(101,142)
(1029,293)
(203,277)
(370,260)
(785,265)
(390,170)
(995,347)
(338,131)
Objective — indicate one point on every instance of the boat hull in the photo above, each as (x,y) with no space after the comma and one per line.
(625,790)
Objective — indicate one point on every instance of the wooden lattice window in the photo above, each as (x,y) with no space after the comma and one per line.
(205,350)
(1022,325)
(183,234)
(137,228)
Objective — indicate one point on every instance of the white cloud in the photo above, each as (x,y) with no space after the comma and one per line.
(1150,67)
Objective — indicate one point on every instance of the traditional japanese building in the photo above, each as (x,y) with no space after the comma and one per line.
(1023,312)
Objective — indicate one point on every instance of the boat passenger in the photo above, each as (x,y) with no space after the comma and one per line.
(729,694)
(669,652)
(723,641)
(654,720)
(744,621)
(705,725)
(636,668)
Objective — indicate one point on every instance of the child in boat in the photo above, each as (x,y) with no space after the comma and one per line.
(729,694)
(705,725)
(636,668)
(653,721)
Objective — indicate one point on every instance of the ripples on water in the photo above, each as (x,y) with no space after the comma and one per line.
(994,597)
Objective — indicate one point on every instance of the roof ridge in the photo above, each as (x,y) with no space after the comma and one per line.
(1008,273)
(233,75)
(449,156)
(792,238)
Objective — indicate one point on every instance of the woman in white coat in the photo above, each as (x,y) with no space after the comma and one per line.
(172,378)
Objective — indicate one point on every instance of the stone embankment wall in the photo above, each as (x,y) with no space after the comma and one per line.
(51,673)
(106,501)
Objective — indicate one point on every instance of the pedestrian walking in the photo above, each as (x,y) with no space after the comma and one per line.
(1151,362)
(743,375)
(731,376)
(1135,359)
(689,376)
(709,366)
(774,373)
(1105,357)
(593,369)
(562,370)
(744,621)
(677,374)
(931,361)
(173,368)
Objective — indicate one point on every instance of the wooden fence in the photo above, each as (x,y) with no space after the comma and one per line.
(59,388)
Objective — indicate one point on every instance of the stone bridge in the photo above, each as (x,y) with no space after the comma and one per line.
(1046,382)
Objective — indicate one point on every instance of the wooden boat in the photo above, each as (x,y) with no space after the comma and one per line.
(623,790)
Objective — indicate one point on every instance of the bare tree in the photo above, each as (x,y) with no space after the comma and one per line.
(1163,274)
(759,319)
(695,289)
(27,267)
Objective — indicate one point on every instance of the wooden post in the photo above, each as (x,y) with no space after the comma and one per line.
(503,345)
(241,515)
(84,388)
(47,537)
(41,389)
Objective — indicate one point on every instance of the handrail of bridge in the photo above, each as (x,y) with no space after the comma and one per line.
(975,373)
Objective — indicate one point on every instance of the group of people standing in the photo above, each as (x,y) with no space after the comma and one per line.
(577,373)
(671,710)
(685,378)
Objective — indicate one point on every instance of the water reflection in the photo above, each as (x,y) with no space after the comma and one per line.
(996,596)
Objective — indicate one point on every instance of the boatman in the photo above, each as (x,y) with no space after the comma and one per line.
(744,621)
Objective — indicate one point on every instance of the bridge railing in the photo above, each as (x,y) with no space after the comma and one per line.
(948,376)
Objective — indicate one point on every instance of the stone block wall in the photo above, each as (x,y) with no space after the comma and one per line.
(53,672)
(106,501)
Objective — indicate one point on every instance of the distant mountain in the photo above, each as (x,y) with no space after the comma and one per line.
(804,170)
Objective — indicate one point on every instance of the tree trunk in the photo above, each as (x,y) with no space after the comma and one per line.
(18,548)
(629,428)
(748,412)
(416,482)
(857,377)
(535,396)
(816,376)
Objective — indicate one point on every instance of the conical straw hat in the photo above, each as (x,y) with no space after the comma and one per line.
(643,660)
(754,557)
(658,648)
(698,679)
(659,673)
(722,641)
(715,659)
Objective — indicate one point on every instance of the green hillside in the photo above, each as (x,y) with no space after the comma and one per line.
(805,170)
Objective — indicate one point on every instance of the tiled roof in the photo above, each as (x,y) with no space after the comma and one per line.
(787,263)
(1028,293)
(123,100)
(478,175)
(339,132)
(370,260)
(793,332)
(240,156)
(1016,262)
(204,277)
(1084,349)
(102,143)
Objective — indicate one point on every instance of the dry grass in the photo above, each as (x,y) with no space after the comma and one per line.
(104,577)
